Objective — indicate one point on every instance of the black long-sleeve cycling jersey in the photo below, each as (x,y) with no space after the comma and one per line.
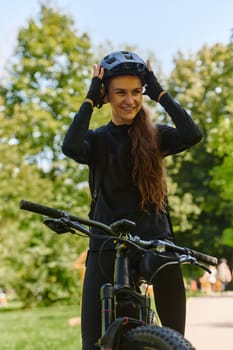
(118,196)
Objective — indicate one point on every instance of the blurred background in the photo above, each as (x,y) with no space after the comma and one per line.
(47,50)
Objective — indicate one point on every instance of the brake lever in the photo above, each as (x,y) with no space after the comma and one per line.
(190,259)
(185,258)
(204,267)
(57,225)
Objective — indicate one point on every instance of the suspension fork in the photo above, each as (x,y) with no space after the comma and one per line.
(121,280)
(107,306)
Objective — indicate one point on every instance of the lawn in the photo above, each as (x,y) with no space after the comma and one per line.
(45,328)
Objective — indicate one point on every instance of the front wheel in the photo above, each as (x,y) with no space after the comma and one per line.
(154,338)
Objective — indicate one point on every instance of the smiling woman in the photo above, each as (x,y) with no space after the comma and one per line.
(124,93)
(126,156)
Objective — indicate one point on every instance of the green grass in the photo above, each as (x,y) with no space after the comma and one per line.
(39,329)
(44,328)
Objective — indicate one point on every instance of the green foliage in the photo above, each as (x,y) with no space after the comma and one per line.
(227,237)
(203,83)
(45,86)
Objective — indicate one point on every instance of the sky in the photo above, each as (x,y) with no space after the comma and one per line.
(164,27)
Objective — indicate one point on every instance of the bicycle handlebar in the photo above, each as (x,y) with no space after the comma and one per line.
(57,214)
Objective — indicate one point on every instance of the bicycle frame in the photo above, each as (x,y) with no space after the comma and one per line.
(123,289)
(120,297)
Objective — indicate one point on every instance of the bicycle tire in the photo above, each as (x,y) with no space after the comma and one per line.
(154,338)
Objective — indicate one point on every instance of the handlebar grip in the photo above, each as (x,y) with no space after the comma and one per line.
(211,260)
(205,258)
(41,209)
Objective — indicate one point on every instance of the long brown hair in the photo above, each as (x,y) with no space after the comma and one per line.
(148,167)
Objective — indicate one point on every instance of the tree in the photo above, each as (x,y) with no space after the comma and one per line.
(46,84)
(203,83)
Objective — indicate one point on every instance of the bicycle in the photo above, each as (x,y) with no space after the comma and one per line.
(127,316)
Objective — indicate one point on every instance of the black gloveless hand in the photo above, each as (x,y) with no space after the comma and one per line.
(94,92)
(152,88)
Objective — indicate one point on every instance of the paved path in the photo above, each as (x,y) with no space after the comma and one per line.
(209,323)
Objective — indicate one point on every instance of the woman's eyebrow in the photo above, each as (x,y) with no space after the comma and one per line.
(123,89)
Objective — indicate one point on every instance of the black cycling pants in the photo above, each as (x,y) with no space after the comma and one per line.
(168,290)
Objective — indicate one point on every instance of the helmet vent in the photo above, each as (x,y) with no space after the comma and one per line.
(110,60)
(128,56)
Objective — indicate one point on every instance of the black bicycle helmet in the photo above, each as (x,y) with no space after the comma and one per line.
(122,63)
